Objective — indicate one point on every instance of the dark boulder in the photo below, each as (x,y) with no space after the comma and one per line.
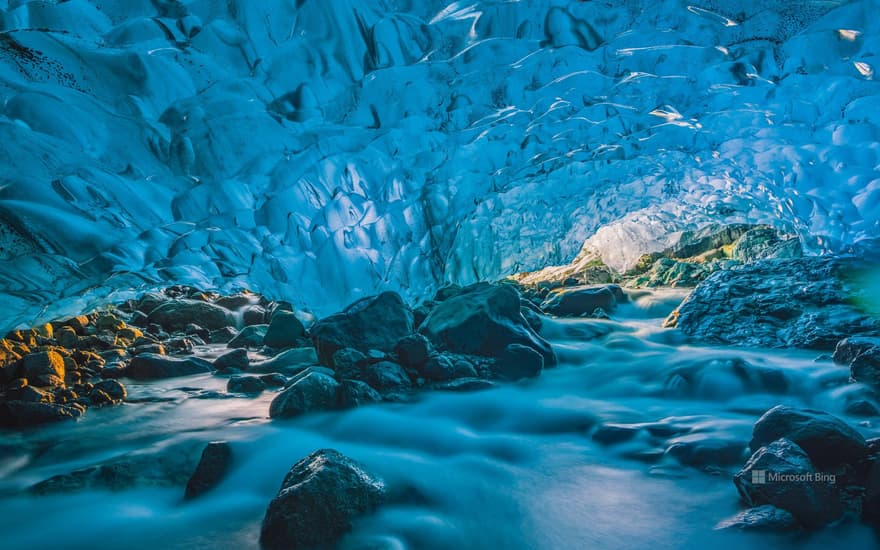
(249,337)
(212,468)
(274,380)
(438,368)
(115,390)
(245,384)
(354,393)
(827,440)
(149,366)
(517,362)
(44,368)
(236,359)
(320,498)
(284,331)
(312,390)
(782,475)
(580,302)
(175,315)
(850,348)
(21,414)
(386,376)
(373,323)
(413,350)
(802,303)
(764,518)
(483,320)
(290,361)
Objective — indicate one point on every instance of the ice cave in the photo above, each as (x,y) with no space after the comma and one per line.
(399,274)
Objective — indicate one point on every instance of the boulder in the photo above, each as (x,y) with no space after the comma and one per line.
(386,376)
(801,303)
(517,362)
(850,348)
(253,315)
(21,414)
(483,320)
(284,331)
(762,243)
(579,302)
(349,363)
(764,518)
(826,439)
(354,393)
(249,337)
(44,368)
(212,468)
(236,359)
(288,362)
(311,391)
(320,498)
(865,368)
(782,475)
(274,380)
(175,315)
(438,368)
(113,389)
(245,384)
(149,366)
(376,322)
(413,350)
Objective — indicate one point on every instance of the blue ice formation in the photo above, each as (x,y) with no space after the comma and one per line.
(320,149)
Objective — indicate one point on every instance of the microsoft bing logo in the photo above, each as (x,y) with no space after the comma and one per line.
(759,477)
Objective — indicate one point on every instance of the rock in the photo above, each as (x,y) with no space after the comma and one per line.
(762,243)
(20,414)
(245,384)
(253,315)
(610,434)
(438,368)
(284,331)
(386,376)
(782,475)
(320,498)
(222,335)
(149,366)
(99,398)
(463,369)
(175,315)
(115,390)
(287,362)
(702,450)
(349,363)
(827,440)
(667,272)
(413,350)
(377,322)
(517,362)
(483,320)
(801,303)
(354,393)
(764,518)
(30,394)
(249,337)
(312,391)
(236,359)
(274,380)
(464,385)
(706,239)
(67,337)
(212,468)
(850,348)
(234,301)
(44,369)
(580,302)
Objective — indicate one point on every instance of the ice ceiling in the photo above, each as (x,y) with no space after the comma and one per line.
(317,150)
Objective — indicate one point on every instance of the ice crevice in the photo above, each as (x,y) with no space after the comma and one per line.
(318,151)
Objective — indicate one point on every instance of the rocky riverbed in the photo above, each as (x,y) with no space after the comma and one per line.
(492,415)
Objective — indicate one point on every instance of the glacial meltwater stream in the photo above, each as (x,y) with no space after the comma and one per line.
(631,442)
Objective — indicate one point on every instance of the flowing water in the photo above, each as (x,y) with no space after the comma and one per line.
(511,467)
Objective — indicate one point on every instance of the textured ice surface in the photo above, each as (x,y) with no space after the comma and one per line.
(318,150)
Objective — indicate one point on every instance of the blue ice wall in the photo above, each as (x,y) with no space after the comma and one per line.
(318,149)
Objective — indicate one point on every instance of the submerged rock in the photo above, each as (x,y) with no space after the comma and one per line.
(373,323)
(245,384)
(288,362)
(483,319)
(581,302)
(782,475)
(805,303)
(149,366)
(175,315)
(354,393)
(761,518)
(311,391)
(236,359)
(212,468)
(827,440)
(22,414)
(318,502)
(517,362)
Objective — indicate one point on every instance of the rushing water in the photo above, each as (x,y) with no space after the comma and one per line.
(512,467)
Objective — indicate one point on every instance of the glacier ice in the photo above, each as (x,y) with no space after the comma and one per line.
(319,150)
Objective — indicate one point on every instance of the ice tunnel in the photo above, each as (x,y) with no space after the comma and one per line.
(319,150)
